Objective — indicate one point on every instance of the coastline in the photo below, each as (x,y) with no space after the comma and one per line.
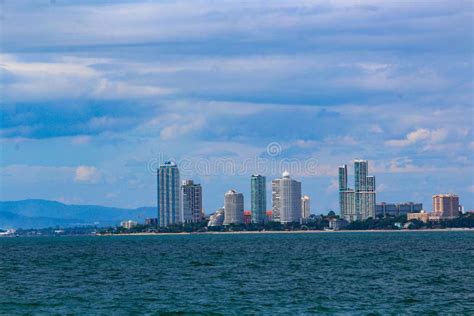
(297,232)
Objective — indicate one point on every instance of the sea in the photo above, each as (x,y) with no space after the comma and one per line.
(359,273)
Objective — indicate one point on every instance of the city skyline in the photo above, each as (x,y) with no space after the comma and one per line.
(236,157)
(84,112)
(288,204)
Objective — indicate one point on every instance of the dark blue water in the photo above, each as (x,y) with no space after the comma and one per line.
(419,272)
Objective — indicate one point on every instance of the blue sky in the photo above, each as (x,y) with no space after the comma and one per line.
(94,93)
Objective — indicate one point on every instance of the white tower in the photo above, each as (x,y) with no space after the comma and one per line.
(290,199)
(233,207)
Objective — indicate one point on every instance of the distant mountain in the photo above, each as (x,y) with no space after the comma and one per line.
(44,213)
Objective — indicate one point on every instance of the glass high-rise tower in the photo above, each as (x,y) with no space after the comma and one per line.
(360,184)
(168,194)
(258,198)
(358,203)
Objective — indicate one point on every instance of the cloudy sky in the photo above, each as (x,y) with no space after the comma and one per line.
(96,93)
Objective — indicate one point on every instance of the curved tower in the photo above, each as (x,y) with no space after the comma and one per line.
(233,207)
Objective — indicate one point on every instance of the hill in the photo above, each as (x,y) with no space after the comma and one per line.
(44,213)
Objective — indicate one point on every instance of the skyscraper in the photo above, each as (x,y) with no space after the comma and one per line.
(343,177)
(446,205)
(357,204)
(168,194)
(360,184)
(367,198)
(346,196)
(258,198)
(360,174)
(305,206)
(192,201)
(276,200)
(233,207)
(290,199)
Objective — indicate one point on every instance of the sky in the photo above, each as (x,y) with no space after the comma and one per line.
(95,94)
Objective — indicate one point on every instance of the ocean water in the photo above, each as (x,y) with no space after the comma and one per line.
(291,274)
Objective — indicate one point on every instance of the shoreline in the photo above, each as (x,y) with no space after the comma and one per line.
(297,232)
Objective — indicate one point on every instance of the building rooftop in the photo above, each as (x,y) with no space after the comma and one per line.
(445,195)
(231,191)
(169,164)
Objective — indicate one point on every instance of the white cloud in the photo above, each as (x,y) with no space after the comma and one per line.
(110,89)
(407,165)
(381,187)
(87,174)
(420,135)
(69,78)
(80,140)
(181,128)
(376,129)
(301,143)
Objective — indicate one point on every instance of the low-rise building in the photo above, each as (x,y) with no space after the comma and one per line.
(421,216)
(151,221)
(337,223)
(128,224)
(217,219)
(247,217)
(384,209)
(268,216)
(435,217)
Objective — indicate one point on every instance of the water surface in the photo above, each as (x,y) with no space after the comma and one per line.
(413,272)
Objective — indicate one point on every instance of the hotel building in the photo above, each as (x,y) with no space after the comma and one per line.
(446,206)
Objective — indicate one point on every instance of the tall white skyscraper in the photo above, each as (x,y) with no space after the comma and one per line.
(289,199)
(305,206)
(168,194)
(192,201)
(233,207)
